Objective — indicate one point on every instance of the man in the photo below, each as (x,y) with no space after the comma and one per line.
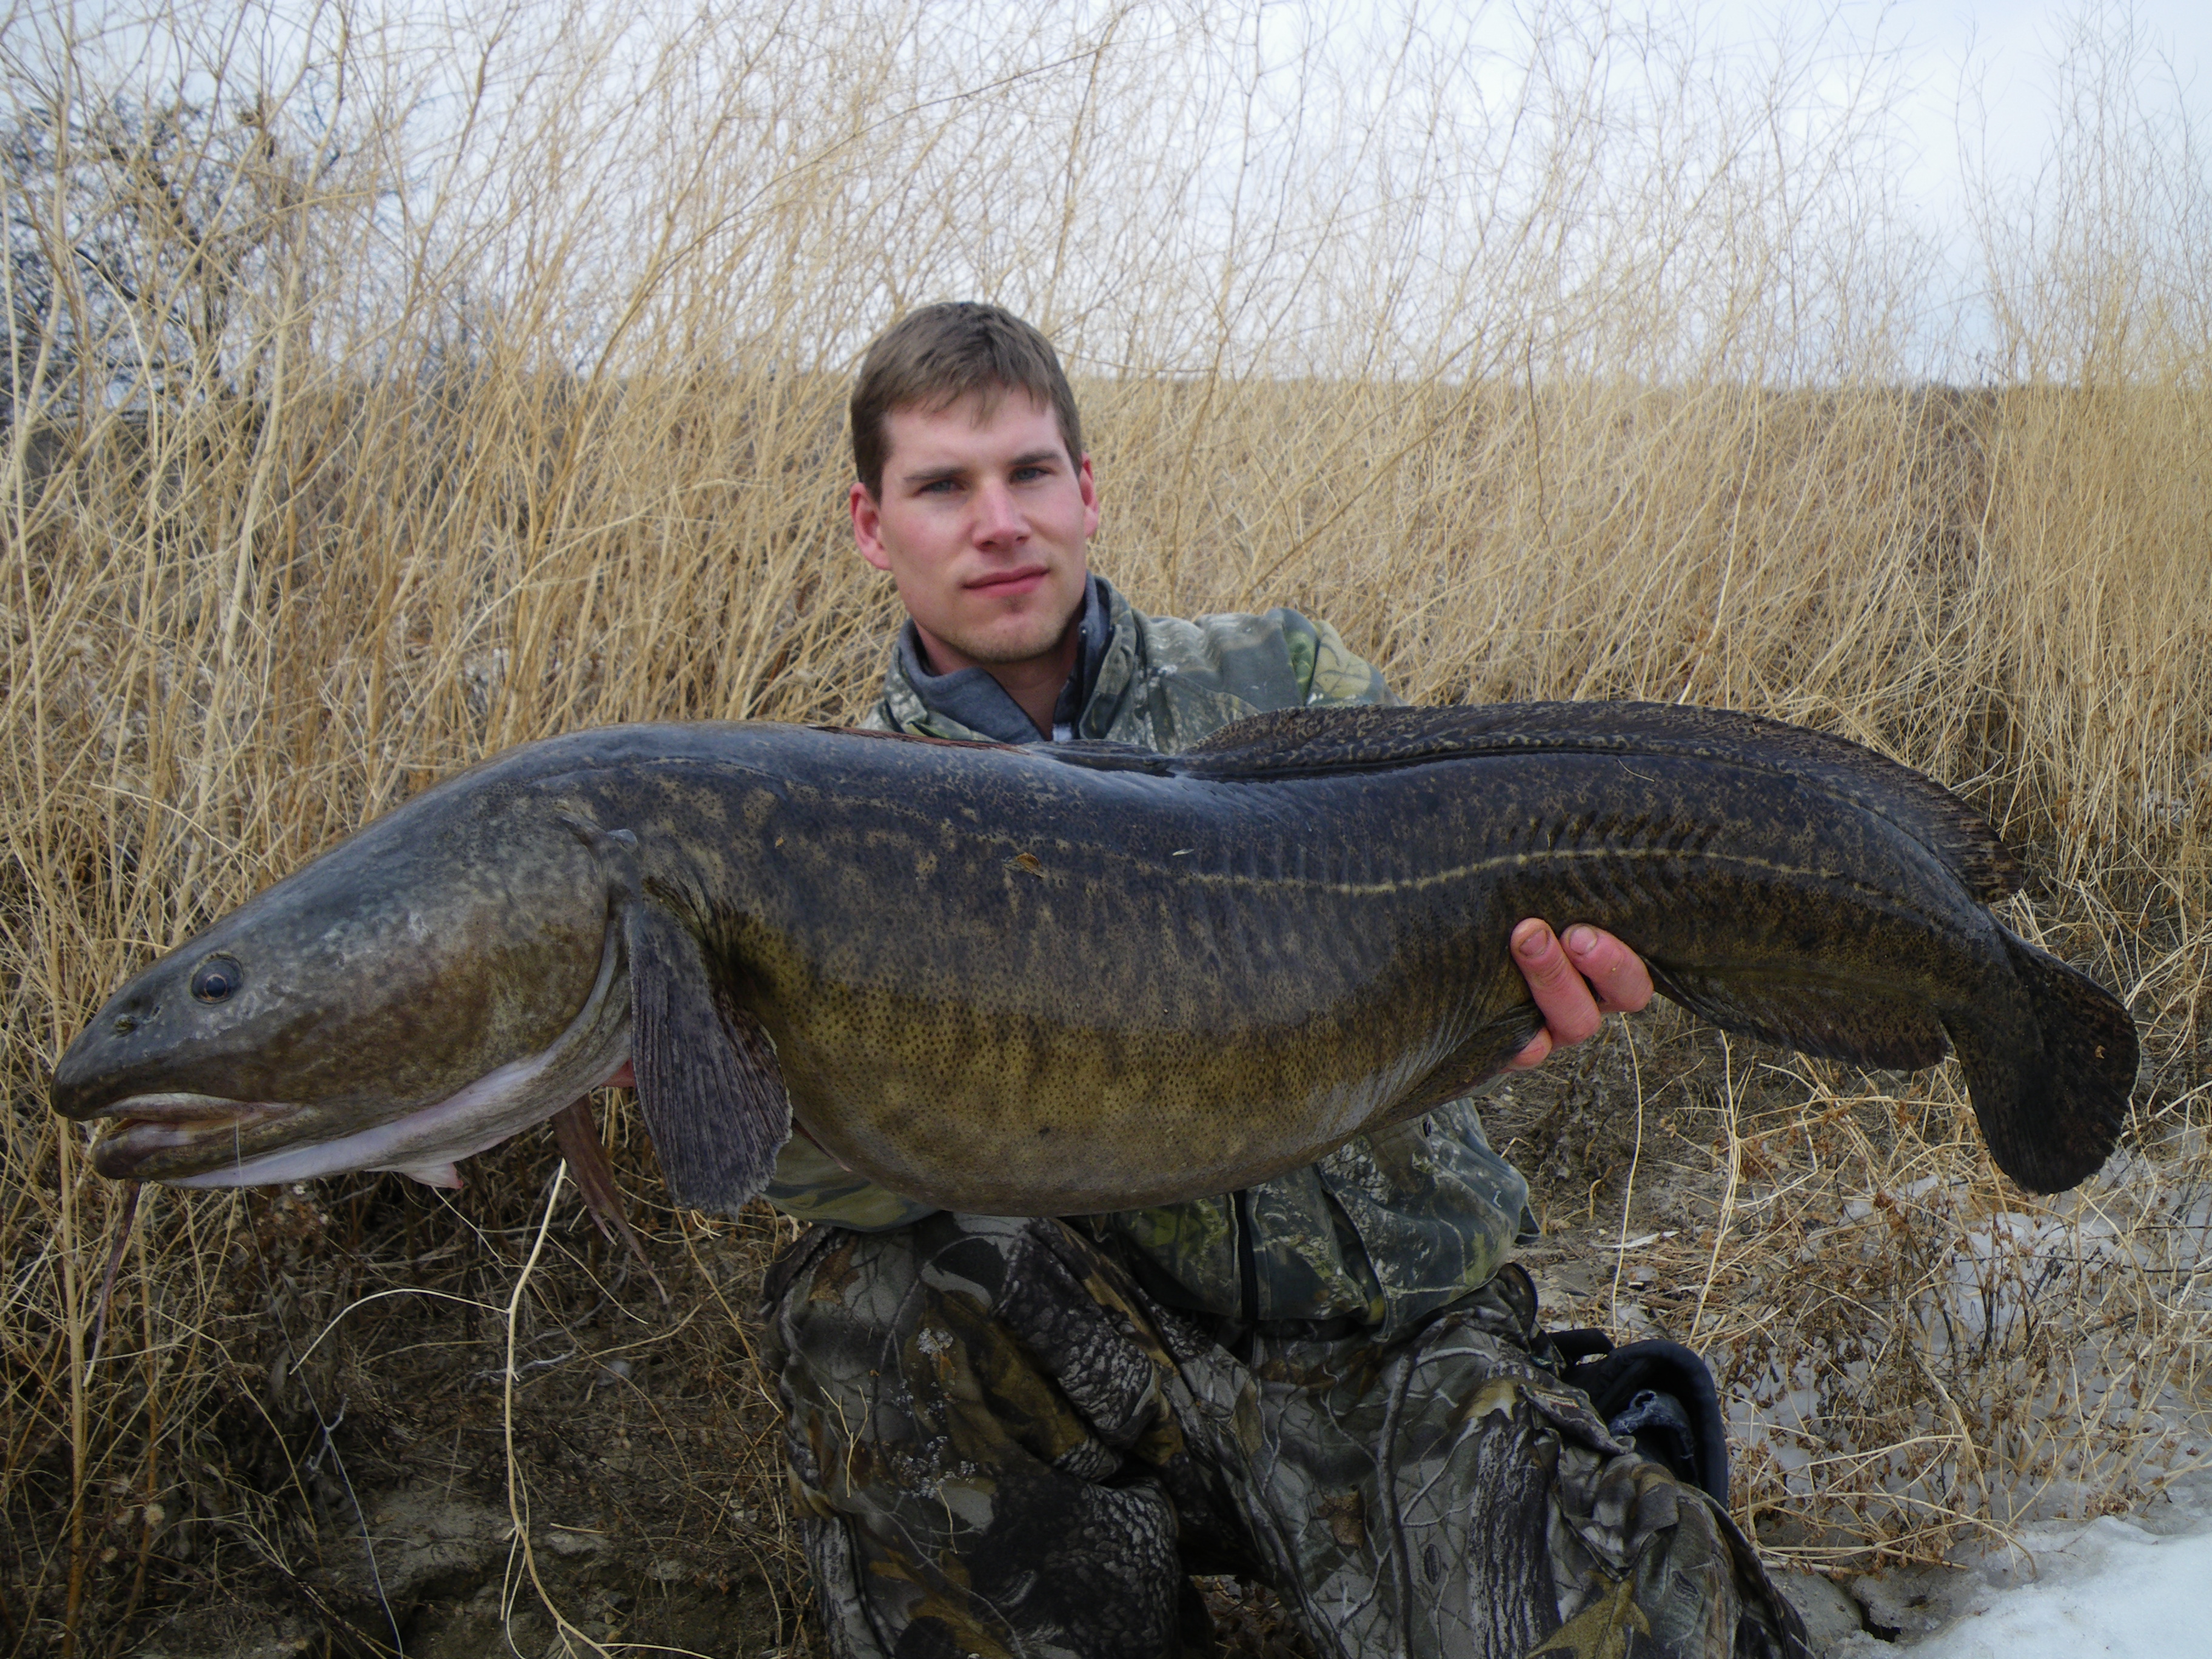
(1022,1436)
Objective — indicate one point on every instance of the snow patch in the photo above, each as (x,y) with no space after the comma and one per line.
(2112,1590)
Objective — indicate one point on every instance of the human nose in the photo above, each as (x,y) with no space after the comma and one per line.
(999,520)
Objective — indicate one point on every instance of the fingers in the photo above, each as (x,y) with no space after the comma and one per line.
(1615,973)
(1570,1010)
(1537,1050)
(1576,984)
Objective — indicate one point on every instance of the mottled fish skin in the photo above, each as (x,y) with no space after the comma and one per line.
(1081,977)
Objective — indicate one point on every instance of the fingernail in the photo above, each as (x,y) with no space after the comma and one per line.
(1582,941)
(1531,943)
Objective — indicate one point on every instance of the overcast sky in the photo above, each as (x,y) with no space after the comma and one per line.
(2009,49)
(2005,53)
(1943,87)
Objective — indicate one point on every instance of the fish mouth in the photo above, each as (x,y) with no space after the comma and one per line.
(187,1139)
(151,1137)
(208,1140)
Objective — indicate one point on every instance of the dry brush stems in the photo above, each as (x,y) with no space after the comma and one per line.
(414,393)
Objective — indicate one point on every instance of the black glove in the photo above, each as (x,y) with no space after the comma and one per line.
(1659,1395)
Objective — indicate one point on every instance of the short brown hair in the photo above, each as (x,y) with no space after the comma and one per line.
(933,357)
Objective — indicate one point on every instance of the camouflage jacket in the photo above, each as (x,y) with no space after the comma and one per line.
(1382,1230)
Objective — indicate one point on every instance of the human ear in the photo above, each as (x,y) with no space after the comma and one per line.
(868,525)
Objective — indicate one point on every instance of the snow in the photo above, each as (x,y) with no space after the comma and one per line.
(2115,1591)
(2062,1340)
(2137,1587)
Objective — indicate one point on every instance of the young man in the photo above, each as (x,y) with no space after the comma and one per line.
(1022,1436)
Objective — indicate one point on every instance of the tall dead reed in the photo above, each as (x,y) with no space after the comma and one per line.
(385,392)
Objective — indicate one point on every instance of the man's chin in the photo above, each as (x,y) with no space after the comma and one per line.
(1015,641)
(1017,653)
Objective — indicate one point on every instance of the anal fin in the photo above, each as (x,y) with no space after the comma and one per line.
(1482,1056)
(1815,1014)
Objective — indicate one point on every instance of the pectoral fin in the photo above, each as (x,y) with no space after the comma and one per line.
(707,1081)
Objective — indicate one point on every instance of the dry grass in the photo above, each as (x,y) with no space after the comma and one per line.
(382,395)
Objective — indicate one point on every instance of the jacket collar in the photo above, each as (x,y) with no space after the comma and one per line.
(971,700)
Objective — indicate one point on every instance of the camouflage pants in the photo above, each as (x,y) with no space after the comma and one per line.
(1002,1447)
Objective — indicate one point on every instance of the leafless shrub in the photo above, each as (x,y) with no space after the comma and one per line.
(380,393)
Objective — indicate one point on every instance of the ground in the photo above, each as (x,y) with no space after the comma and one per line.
(362,1466)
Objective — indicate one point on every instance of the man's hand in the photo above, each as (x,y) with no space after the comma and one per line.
(1577,983)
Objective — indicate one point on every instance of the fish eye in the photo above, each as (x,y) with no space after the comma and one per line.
(215,979)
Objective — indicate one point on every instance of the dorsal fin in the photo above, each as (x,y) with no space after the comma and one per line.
(911,737)
(1103,754)
(1304,741)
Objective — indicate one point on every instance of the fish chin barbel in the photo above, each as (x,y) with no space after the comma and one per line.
(1078,977)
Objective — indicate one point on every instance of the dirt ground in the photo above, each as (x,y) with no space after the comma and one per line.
(349,1492)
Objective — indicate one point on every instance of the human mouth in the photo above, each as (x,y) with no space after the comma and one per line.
(1010,583)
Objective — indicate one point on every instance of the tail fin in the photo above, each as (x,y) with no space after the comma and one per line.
(2051,1081)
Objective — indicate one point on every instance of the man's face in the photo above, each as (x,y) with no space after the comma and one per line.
(982,522)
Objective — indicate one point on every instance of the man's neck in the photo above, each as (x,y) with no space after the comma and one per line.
(1034,683)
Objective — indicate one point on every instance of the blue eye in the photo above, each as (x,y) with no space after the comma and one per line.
(215,979)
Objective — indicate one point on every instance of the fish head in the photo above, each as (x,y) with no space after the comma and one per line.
(421,991)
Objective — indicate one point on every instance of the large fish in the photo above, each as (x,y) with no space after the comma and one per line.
(1077,976)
